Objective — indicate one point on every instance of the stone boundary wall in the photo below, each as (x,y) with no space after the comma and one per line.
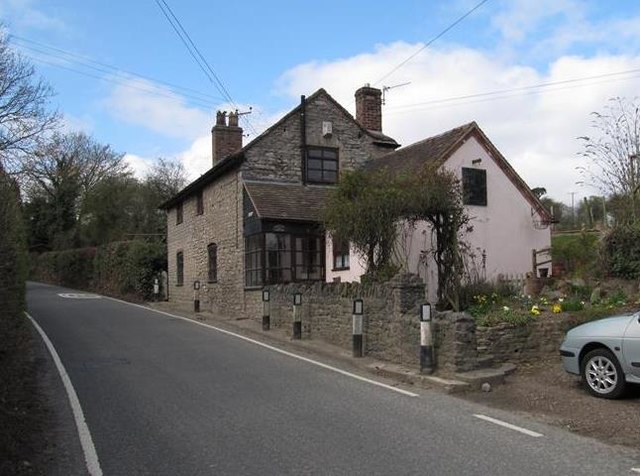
(391,326)
(539,339)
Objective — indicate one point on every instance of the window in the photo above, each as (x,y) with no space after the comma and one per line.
(272,258)
(309,258)
(322,165)
(474,187)
(199,203)
(340,254)
(179,213)
(212,258)
(253,260)
(179,268)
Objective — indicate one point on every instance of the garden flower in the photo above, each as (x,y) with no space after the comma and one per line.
(557,308)
(535,310)
(505,308)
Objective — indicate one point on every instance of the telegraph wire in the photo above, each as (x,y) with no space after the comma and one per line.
(197,56)
(431,41)
(527,90)
(84,61)
(158,92)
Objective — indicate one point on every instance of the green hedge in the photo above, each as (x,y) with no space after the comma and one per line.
(13,259)
(124,269)
(621,251)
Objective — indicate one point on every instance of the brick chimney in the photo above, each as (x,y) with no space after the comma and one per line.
(369,108)
(225,139)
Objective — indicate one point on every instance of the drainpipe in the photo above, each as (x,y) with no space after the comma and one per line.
(303,138)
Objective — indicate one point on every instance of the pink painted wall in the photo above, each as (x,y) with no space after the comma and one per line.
(503,230)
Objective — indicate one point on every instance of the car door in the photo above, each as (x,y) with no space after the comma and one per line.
(631,345)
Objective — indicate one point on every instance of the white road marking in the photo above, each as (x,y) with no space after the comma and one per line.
(509,425)
(276,349)
(635,470)
(90,455)
(79,296)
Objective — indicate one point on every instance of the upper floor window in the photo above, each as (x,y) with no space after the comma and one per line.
(340,254)
(474,187)
(179,268)
(179,213)
(322,165)
(212,258)
(199,203)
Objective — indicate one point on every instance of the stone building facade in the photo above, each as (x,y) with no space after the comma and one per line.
(254,218)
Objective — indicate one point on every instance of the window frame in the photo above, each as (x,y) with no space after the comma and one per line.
(180,268)
(474,187)
(179,213)
(322,169)
(212,264)
(199,203)
(340,250)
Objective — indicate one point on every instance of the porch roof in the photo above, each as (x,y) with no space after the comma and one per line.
(279,201)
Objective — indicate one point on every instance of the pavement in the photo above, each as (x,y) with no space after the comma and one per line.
(450,383)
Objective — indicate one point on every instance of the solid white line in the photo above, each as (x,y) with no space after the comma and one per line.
(509,425)
(275,349)
(90,455)
(635,470)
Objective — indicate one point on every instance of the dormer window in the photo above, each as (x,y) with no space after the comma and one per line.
(322,165)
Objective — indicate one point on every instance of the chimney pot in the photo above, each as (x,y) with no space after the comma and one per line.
(225,139)
(233,119)
(221,118)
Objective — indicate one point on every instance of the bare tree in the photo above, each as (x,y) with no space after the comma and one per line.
(613,155)
(166,178)
(23,114)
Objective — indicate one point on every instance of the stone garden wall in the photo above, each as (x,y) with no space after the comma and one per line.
(391,328)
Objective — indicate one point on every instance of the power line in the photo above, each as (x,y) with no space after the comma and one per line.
(111,80)
(197,56)
(506,93)
(431,41)
(87,61)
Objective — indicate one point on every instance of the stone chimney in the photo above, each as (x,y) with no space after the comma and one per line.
(369,108)
(225,139)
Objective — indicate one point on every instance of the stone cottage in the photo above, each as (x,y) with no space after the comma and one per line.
(254,217)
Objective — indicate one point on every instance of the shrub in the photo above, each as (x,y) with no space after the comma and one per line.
(578,252)
(621,251)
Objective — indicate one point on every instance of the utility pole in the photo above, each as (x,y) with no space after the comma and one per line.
(573,210)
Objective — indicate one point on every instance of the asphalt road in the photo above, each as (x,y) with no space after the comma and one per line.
(165,396)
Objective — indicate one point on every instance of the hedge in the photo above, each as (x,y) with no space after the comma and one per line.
(621,251)
(124,269)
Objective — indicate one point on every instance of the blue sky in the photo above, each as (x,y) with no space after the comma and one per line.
(268,53)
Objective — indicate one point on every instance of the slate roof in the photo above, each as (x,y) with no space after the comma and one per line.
(412,158)
(278,201)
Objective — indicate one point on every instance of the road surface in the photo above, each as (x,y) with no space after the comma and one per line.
(164,396)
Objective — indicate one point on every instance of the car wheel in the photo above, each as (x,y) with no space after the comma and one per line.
(602,374)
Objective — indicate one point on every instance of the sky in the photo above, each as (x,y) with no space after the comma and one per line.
(529,72)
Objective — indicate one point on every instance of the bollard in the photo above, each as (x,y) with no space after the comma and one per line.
(156,289)
(196,296)
(266,310)
(297,322)
(357,327)
(427,364)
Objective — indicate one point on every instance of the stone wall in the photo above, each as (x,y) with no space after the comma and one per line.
(391,328)
(538,339)
(220,223)
(277,155)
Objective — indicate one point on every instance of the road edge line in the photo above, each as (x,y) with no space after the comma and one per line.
(88,448)
(273,348)
(508,425)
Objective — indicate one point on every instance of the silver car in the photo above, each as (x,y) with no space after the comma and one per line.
(605,353)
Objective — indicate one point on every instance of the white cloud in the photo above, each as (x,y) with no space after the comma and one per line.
(24,15)
(139,165)
(158,109)
(536,130)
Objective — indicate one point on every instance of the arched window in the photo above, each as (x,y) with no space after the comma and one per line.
(212,254)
